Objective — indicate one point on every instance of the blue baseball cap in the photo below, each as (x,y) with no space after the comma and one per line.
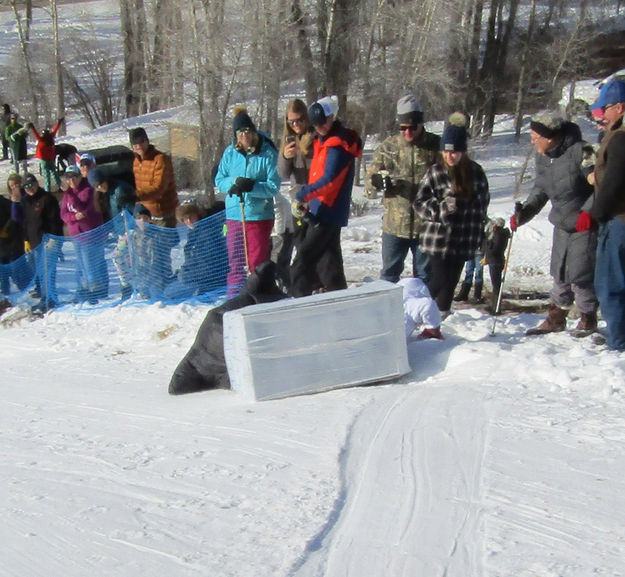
(612,92)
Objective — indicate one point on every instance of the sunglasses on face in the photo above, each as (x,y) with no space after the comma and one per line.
(604,108)
(294,121)
(407,128)
(25,186)
(243,131)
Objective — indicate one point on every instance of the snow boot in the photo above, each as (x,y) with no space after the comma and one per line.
(463,295)
(477,293)
(554,323)
(586,325)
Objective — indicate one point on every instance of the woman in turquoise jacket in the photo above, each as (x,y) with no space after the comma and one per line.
(248,175)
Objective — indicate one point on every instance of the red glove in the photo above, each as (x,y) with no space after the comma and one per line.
(513,224)
(584,222)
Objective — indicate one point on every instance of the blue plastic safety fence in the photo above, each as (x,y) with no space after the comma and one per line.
(125,260)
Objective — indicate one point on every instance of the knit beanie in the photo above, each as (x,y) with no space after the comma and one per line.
(454,138)
(547,123)
(409,111)
(138,135)
(241,120)
(319,111)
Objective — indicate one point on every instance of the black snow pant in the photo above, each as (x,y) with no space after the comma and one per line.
(445,275)
(318,263)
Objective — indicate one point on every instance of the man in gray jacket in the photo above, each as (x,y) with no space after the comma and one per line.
(562,167)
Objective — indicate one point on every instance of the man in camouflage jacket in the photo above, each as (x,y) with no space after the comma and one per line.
(396,169)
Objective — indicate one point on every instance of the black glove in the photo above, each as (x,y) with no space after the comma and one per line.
(245,184)
(381,182)
(62,119)
(235,190)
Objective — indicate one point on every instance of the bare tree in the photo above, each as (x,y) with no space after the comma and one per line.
(518,112)
(24,43)
(58,68)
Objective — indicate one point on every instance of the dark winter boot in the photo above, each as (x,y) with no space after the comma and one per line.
(463,295)
(477,293)
(554,323)
(586,325)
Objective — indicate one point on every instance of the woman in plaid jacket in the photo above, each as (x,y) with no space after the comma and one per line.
(452,202)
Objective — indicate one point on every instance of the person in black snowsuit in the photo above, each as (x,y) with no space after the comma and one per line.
(204,366)
(495,243)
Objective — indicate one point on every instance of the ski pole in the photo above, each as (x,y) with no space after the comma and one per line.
(503,280)
(247,258)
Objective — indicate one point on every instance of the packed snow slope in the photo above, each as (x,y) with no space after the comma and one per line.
(496,456)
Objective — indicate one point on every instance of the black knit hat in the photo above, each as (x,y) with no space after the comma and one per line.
(242,120)
(138,135)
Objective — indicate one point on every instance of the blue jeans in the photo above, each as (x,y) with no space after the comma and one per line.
(474,267)
(92,269)
(394,252)
(610,280)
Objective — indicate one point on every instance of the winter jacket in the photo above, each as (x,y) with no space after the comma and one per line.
(45,147)
(419,307)
(16,136)
(609,197)
(11,233)
(561,179)
(447,231)
(41,216)
(259,165)
(154,182)
(406,164)
(331,176)
(295,169)
(81,200)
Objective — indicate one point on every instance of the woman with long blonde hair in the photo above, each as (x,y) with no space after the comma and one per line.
(294,158)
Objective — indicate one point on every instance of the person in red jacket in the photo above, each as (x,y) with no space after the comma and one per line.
(325,202)
(46,153)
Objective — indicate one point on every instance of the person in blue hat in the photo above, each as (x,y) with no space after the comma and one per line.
(609,210)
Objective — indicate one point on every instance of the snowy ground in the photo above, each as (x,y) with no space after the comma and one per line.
(495,456)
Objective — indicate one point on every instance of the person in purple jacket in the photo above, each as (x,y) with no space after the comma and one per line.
(81,214)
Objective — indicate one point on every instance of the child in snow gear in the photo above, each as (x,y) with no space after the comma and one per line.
(420,310)
(497,237)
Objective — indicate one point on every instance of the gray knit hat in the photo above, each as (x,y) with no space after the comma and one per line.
(547,123)
(409,110)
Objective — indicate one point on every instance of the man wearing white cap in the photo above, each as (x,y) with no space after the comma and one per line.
(609,210)
(325,202)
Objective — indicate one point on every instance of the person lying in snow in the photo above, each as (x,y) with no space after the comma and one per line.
(420,309)
(204,366)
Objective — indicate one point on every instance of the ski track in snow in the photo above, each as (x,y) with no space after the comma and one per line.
(407,488)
